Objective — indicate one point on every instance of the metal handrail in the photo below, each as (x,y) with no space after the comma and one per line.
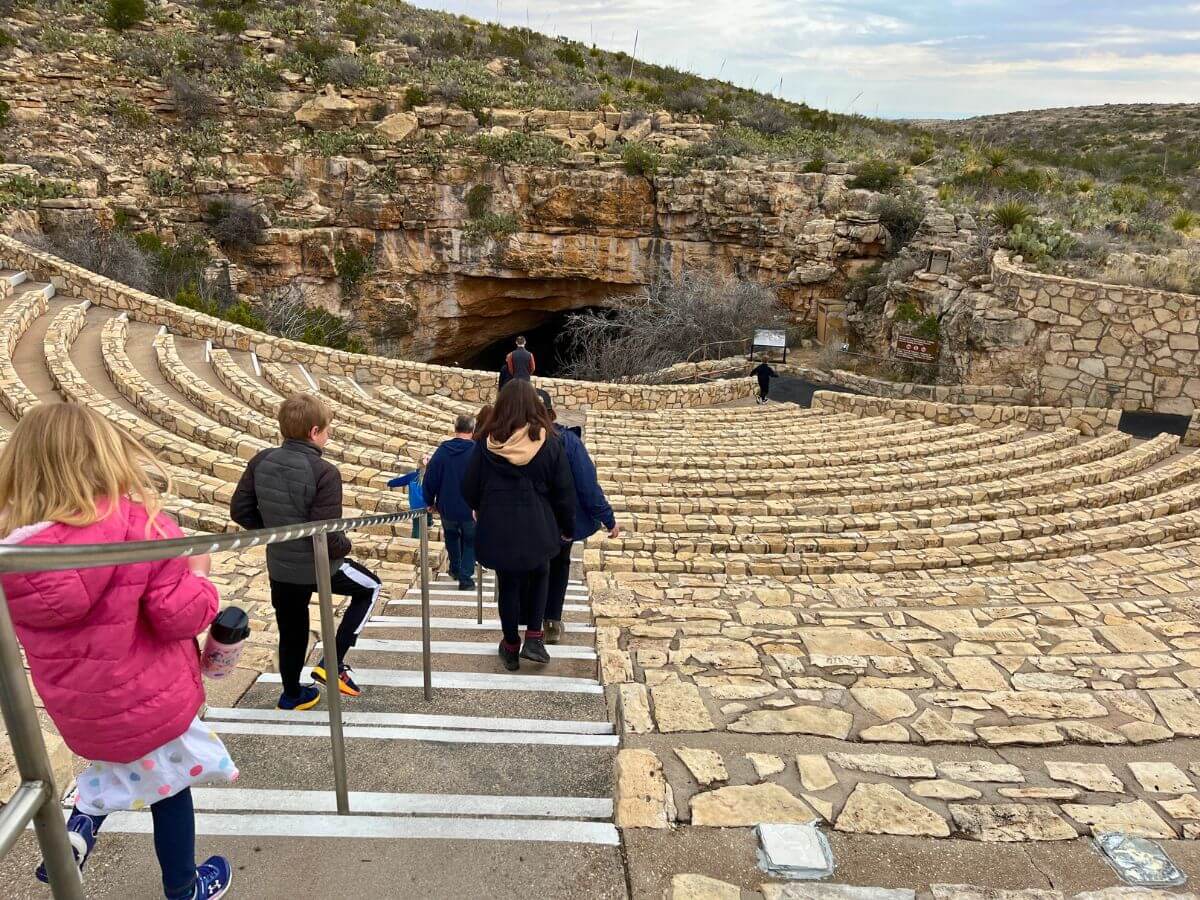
(36,799)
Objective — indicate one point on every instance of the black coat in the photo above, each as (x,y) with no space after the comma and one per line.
(522,512)
(290,485)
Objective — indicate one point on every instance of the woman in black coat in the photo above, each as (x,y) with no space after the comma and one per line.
(519,484)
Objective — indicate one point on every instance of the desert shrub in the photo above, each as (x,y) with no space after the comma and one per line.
(816,164)
(107,252)
(335,143)
(518,147)
(355,23)
(23,190)
(1184,220)
(571,55)
(478,199)
(311,54)
(768,118)
(668,321)
(193,101)
(121,15)
(130,113)
(352,266)
(235,224)
(344,70)
(228,21)
(1012,213)
(1038,241)
(291,311)
(414,96)
(876,175)
(6,38)
(5,113)
(901,214)
(446,42)
(640,159)
(492,226)
(163,183)
(996,158)
(916,323)
(923,151)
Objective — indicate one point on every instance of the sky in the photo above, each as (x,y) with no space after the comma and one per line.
(915,59)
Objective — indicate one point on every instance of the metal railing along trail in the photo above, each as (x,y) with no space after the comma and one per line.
(37,798)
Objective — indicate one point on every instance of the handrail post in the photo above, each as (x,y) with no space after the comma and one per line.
(333,692)
(479,592)
(33,763)
(426,660)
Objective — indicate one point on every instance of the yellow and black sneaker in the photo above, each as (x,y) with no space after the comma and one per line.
(309,696)
(345,683)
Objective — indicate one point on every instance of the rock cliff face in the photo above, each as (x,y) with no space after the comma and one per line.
(580,236)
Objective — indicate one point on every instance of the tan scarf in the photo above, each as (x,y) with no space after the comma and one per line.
(519,449)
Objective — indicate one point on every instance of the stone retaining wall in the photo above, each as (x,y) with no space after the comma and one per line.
(1097,343)
(417,378)
(1088,420)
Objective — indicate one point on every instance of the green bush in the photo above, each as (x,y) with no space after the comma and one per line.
(490,226)
(901,214)
(876,175)
(335,143)
(1039,241)
(5,113)
(1012,213)
(518,147)
(165,184)
(7,40)
(816,164)
(352,266)
(478,200)
(414,96)
(1184,220)
(130,113)
(353,22)
(121,15)
(923,152)
(571,55)
(640,159)
(920,325)
(228,21)
(235,224)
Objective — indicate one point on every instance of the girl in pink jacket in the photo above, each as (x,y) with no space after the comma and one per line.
(112,650)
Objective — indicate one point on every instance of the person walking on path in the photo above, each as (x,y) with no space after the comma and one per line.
(519,483)
(592,510)
(443,492)
(112,649)
(764,373)
(520,363)
(289,485)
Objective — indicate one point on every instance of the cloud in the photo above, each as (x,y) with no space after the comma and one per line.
(921,58)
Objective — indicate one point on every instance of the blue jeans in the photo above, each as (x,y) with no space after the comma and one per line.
(460,545)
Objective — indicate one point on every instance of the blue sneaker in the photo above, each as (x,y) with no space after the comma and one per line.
(81,832)
(213,877)
(309,696)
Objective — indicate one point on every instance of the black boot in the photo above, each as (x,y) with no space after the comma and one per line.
(535,650)
(510,658)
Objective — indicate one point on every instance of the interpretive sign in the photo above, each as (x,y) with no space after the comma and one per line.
(915,348)
(766,337)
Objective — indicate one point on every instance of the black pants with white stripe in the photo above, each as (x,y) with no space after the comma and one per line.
(290,601)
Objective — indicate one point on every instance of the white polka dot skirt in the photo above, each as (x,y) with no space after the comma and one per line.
(195,757)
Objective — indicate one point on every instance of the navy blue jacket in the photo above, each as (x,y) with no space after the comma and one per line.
(444,478)
(591,506)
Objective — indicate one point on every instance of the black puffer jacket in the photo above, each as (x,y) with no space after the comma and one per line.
(523,505)
(289,485)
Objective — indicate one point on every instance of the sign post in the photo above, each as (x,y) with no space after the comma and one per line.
(915,349)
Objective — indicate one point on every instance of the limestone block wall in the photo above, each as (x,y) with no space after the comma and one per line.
(1088,420)
(1107,344)
(417,378)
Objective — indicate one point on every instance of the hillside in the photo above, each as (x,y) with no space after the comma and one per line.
(376,175)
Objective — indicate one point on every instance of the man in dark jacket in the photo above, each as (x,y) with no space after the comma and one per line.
(289,485)
(520,363)
(443,492)
(764,373)
(592,510)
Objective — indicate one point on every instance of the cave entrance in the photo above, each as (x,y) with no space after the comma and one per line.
(547,342)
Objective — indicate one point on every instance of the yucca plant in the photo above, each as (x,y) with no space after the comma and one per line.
(1012,213)
(1184,220)
(997,158)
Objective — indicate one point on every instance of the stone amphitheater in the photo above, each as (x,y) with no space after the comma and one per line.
(962,646)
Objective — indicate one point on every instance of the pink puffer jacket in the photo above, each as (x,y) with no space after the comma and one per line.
(112,650)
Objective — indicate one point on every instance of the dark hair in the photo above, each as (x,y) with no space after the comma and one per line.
(464,425)
(517,406)
(521,342)
(481,421)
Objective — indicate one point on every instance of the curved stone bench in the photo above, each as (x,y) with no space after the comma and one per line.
(16,318)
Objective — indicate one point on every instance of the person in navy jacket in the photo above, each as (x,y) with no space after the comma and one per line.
(443,492)
(592,510)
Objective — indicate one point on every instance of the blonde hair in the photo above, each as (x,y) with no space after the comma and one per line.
(67,463)
(299,414)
